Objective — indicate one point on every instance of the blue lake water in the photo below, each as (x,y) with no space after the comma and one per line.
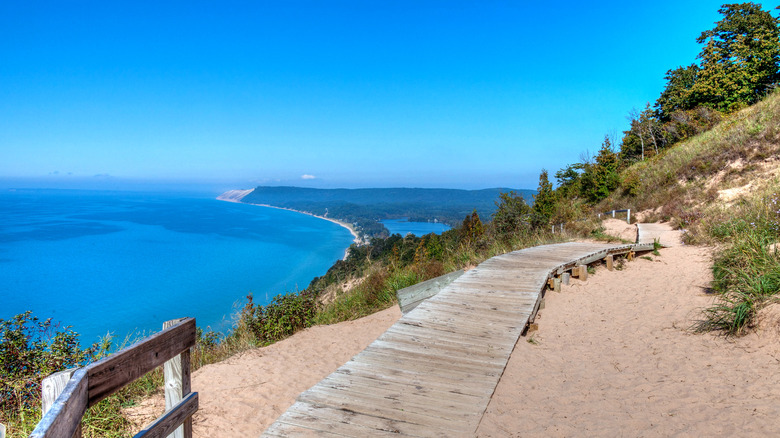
(125,262)
(404,227)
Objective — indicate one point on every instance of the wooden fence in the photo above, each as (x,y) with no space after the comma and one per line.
(608,213)
(68,394)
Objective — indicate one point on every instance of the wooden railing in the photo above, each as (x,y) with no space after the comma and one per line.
(612,213)
(91,384)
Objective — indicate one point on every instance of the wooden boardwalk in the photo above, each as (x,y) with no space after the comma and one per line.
(433,373)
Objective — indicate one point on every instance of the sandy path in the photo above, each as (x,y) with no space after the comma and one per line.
(613,357)
(243,395)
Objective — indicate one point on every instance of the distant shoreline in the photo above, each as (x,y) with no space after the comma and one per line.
(356,238)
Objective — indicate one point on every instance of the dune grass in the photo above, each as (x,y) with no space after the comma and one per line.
(746,270)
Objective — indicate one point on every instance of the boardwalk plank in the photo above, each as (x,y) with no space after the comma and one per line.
(395,403)
(484,353)
(344,422)
(481,357)
(362,407)
(441,382)
(428,395)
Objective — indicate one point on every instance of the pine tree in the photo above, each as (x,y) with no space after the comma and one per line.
(544,202)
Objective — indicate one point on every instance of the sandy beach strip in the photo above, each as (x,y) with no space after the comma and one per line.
(237,195)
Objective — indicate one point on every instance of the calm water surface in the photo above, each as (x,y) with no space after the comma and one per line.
(404,227)
(125,262)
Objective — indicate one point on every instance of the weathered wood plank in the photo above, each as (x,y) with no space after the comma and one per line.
(176,373)
(172,419)
(360,406)
(282,429)
(395,404)
(461,318)
(425,334)
(308,415)
(462,363)
(422,366)
(51,387)
(508,314)
(484,306)
(410,297)
(442,381)
(455,328)
(403,393)
(478,357)
(64,417)
(114,372)
(492,353)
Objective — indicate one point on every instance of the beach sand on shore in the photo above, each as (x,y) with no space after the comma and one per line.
(237,195)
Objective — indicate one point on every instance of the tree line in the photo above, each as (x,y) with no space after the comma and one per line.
(737,66)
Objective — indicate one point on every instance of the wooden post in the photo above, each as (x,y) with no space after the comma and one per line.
(565,278)
(610,260)
(583,274)
(177,384)
(557,284)
(51,387)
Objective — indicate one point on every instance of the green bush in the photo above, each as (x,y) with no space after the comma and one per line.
(284,316)
(31,349)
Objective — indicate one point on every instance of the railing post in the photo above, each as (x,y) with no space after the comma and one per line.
(628,215)
(613,213)
(51,387)
(177,384)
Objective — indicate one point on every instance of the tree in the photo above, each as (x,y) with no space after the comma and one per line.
(740,58)
(602,177)
(511,215)
(677,93)
(646,131)
(471,229)
(544,202)
(569,180)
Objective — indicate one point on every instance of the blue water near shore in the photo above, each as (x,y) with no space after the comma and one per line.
(404,227)
(124,262)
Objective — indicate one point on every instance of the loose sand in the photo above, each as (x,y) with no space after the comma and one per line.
(613,356)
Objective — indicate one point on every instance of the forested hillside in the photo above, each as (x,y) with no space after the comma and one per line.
(365,207)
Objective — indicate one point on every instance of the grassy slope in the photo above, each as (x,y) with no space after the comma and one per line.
(691,183)
(723,188)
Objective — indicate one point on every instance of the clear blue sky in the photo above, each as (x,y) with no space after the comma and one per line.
(327,93)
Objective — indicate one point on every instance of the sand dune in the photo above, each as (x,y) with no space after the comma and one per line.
(613,356)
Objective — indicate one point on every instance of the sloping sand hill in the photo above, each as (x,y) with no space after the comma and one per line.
(613,356)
